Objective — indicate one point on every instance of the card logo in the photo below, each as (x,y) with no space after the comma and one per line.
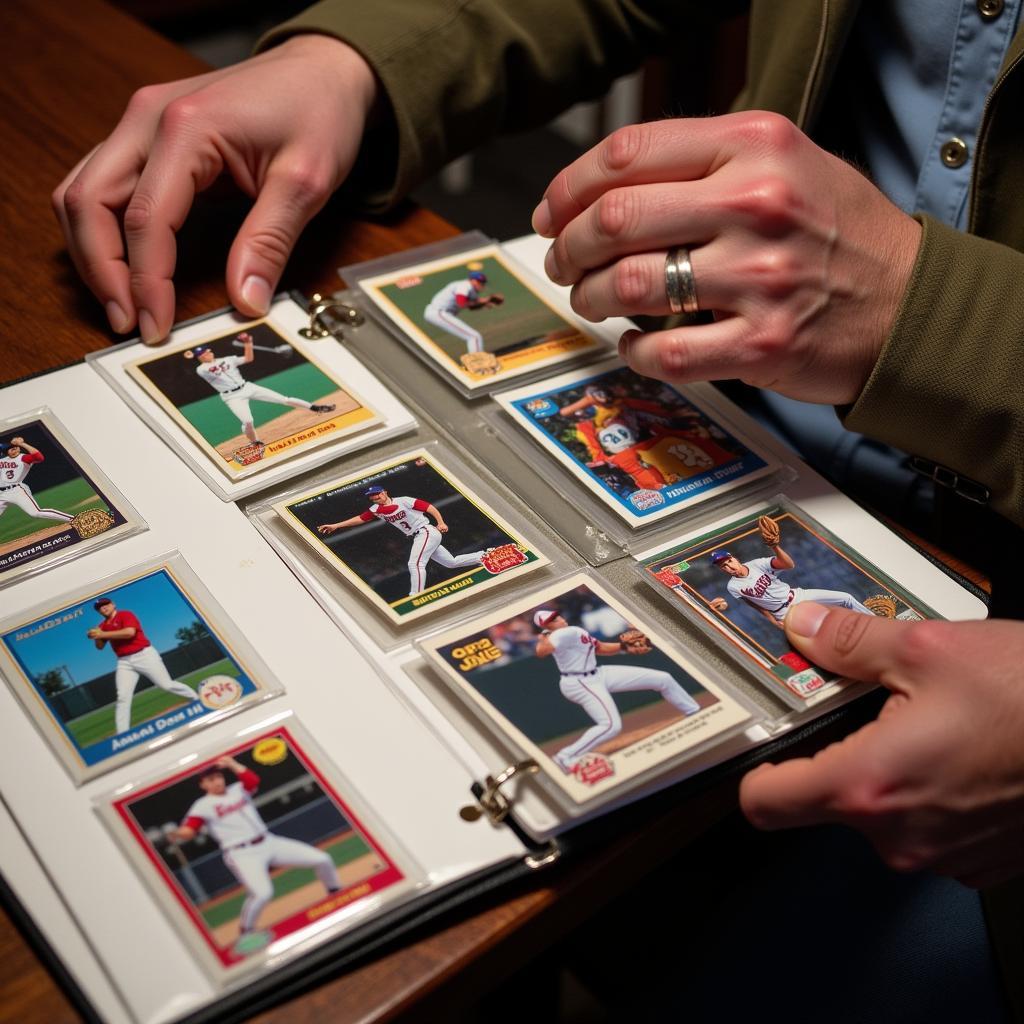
(540,408)
(668,578)
(593,768)
(91,522)
(409,281)
(217,692)
(272,750)
(473,655)
(500,559)
(644,499)
(248,454)
(805,683)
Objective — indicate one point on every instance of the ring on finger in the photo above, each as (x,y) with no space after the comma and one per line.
(680,286)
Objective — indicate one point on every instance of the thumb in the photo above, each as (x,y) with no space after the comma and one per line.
(291,194)
(852,644)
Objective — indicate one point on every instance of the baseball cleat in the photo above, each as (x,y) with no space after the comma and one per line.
(568,765)
(321,408)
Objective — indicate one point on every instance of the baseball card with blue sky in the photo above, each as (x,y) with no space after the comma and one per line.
(256,850)
(734,582)
(250,397)
(477,319)
(135,662)
(639,445)
(55,502)
(549,672)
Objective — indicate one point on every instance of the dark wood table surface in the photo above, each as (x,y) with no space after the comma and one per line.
(69,71)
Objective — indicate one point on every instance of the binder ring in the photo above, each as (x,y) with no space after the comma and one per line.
(340,310)
(492,801)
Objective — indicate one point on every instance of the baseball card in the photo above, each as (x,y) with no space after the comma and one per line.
(410,536)
(254,851)
(249,398)
(742,577)
(54,501)
(477,319)
(636,443)
(581,684)
(122,667)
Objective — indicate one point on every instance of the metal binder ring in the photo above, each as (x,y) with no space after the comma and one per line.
(492,801)
(340,310)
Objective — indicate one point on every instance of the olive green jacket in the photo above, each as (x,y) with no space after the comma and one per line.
(948,384)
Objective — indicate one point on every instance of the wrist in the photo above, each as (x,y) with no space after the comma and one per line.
(328,55)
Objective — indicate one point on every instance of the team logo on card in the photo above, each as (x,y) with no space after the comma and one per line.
(669,578)
(248,453)
(541,408)
(803,684)
(219,692)
(508,556)
(91,522)
(592,768)
(270,751)
(645,499)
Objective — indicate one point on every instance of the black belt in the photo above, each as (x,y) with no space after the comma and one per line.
(248,842)
(9,487)
(231,391)
(592,672)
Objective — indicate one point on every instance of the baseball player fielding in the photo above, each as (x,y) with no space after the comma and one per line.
(590,685)
(409,517)
(457,297)
(15,465)
(136,656)
(758,583)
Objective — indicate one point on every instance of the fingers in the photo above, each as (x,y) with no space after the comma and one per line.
(705,352)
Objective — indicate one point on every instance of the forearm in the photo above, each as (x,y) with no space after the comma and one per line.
(117,634)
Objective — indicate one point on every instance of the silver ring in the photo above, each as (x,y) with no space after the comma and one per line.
(680,287)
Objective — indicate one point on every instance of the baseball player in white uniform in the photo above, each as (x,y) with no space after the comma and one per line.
(758,583)
(446,306)
(409,517)
(224,375)
(249,849)
(591,685)
(14,467)
(136,656)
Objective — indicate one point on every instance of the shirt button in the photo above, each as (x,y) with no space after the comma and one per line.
(954,153)
(990,9)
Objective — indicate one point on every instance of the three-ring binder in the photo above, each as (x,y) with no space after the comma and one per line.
(492,802)
(347,315)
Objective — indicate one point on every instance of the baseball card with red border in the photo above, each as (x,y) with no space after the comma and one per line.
(254,850)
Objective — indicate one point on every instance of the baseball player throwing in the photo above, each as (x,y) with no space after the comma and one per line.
(409,517)
(224,375)
(136,656)
(249,849)
(447,306)
(591,685)
(758,583)
(14,467)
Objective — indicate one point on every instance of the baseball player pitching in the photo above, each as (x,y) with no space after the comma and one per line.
(446,307)
(224,375)
(250,850)
(758,583)
(409,517)
(136,656)
(14,467)
(585,682)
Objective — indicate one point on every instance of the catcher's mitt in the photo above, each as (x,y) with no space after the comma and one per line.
(770,532)
(882,605)
(635,642)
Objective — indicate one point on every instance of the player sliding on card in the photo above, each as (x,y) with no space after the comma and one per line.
(409,516)
(590,685)
(757,582)
(136,656)
(225,377)
(249,848)
(14,467)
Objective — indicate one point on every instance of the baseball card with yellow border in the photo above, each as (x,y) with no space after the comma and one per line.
(584,686)
(742,577)
(254,849)
(410,536)
(251,398)
(476,319)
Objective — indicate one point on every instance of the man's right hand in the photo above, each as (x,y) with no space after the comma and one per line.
(286,125)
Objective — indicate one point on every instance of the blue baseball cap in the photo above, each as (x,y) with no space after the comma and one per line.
(375,489)
(720,555)
(478,275)
(200,349)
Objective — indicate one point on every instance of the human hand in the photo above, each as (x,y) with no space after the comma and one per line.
(326,529)
(442,527)
(719,604)
(263,122)
(802,259)
(937,781)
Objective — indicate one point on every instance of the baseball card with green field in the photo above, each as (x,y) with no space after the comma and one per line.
(476,319)
(54,501)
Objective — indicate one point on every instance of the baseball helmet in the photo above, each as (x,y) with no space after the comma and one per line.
(720,555)
(375,489)
(100,602)
(543,618)
(477,275)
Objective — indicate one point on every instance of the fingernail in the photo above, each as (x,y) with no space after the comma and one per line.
(148,329)
(805,619)
(541,219)
(256,292)
(625,342)
(551,265)
(118,317)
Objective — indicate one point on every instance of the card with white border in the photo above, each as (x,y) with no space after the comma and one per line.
(642,447)
(550,674)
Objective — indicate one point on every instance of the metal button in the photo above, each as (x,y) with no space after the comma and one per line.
(954,153)
(990,9)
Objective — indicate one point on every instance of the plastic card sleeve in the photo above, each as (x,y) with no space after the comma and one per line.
(133,661)
(475,315)
(55,502)
(248,404)
(380,560)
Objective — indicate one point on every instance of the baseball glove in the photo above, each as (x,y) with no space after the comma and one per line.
(770,532)
(882,605)
(495,299)
(634,641)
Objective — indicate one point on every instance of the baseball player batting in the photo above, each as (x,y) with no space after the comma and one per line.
(590,685)
(409,517)
(136,656)
(445,308)
(758,583)
(250,850)
(14,467)
(225,377)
